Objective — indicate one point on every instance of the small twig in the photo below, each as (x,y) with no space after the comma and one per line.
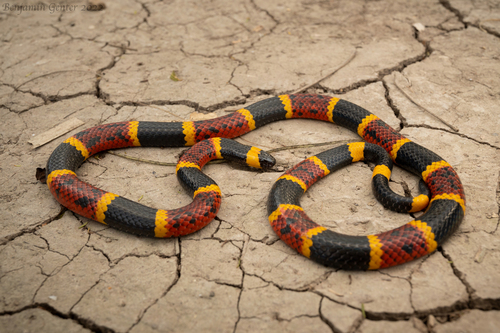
(426,110)
(334,292)
(488,20)
(224,161)
(123,47)
(328,75)
(155,107)
(307,145)
(156,162)
(142,160)
(251,143)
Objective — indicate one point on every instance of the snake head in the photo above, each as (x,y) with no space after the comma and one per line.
(266,160)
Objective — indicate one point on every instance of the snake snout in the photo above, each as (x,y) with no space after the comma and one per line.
(267,160)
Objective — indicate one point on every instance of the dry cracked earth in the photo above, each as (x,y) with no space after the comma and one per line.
(406,61)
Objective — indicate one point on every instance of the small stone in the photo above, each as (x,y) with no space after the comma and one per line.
(418,324)
(480,255)
(431,321)
(419,26)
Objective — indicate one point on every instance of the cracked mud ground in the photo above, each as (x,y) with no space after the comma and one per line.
(62,273)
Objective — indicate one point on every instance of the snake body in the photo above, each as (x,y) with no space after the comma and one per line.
(126,215)
(444,213)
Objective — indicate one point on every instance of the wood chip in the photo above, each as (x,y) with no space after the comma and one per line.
(55,132)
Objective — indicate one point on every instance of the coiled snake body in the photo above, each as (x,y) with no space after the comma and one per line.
(417,238)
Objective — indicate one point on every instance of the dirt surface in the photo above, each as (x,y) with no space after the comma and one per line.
(163,61)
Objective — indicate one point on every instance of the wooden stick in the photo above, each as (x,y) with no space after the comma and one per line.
(55,132)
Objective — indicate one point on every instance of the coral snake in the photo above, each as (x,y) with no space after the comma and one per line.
(419,237)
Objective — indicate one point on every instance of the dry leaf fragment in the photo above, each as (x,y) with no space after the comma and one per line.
(174,77)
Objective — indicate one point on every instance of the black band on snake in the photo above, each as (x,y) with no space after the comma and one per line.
(442,217)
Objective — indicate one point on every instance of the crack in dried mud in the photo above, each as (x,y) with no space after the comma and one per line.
(454,133)
(448,311)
